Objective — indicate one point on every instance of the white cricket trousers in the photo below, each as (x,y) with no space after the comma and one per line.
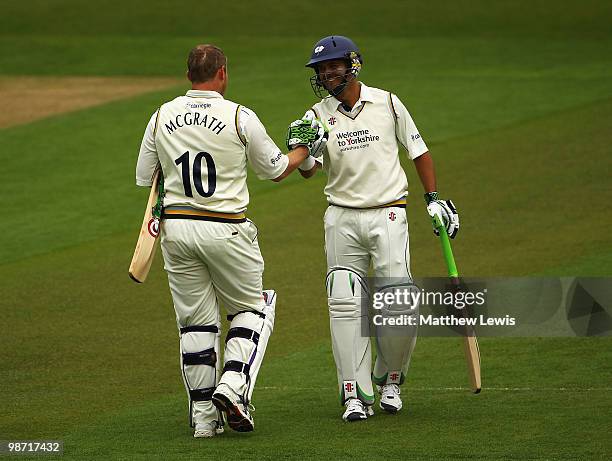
(355,240)
(211,263)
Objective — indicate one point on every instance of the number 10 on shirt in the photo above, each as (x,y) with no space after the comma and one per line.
(183,161)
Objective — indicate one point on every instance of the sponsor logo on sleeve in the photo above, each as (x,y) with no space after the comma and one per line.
(276,159)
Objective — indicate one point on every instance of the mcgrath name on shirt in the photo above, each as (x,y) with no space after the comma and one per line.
(194,118)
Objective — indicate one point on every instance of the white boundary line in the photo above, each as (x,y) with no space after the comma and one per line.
(463,389)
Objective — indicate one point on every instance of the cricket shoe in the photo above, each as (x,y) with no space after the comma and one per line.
(356,410)
(390,400)
(238,416)
(207,430)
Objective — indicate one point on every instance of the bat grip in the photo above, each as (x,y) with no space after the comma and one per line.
(447,251)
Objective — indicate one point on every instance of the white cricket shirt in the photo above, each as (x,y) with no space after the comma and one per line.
(203,142)
(361,157)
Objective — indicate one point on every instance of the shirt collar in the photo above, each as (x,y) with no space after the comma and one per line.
(365,95)
(203,94)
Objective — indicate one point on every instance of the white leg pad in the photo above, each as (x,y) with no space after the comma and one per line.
(245,347)
(394,344)
(352,350)
(199,347)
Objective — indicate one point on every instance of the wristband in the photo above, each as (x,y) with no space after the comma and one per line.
(307,164)
(431,197)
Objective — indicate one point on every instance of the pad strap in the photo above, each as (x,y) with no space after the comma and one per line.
(235,365)
(199,329)
(241,332)
(261,314)
(206,357)
(201,395)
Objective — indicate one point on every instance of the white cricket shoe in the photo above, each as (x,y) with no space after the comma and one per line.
(238,416)
(390,400)
(356,410)
(207,430)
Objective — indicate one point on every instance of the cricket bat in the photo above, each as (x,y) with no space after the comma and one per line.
(147,239)
(470,343)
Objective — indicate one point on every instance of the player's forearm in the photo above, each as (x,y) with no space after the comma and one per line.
(296,157)
(425,168)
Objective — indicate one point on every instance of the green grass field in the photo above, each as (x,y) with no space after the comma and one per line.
(515,102)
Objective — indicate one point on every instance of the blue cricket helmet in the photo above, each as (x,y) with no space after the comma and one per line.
(334,47)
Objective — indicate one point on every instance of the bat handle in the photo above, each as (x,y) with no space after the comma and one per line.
(447,251)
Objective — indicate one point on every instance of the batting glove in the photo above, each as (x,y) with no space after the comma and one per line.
(446,212)
(311,133)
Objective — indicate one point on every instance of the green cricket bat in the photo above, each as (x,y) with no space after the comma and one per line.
(470,343)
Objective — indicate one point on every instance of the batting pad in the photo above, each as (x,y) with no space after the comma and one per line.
(199,348)
(245,347)
(394,344)
(352,351)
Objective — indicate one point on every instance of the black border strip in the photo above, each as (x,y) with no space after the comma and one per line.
(203,218)
(236,122)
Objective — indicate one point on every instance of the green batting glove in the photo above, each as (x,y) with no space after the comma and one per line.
(301,133)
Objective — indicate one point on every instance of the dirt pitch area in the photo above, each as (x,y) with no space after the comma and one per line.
(25,99)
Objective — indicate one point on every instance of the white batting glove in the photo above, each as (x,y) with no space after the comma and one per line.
(446,212)
(317,146)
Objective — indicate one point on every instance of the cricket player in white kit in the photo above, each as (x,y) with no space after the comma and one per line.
(365,223)
(211,254)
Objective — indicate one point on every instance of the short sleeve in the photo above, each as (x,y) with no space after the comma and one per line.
(406,131)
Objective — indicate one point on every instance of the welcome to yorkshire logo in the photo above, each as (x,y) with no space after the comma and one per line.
(355,139)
